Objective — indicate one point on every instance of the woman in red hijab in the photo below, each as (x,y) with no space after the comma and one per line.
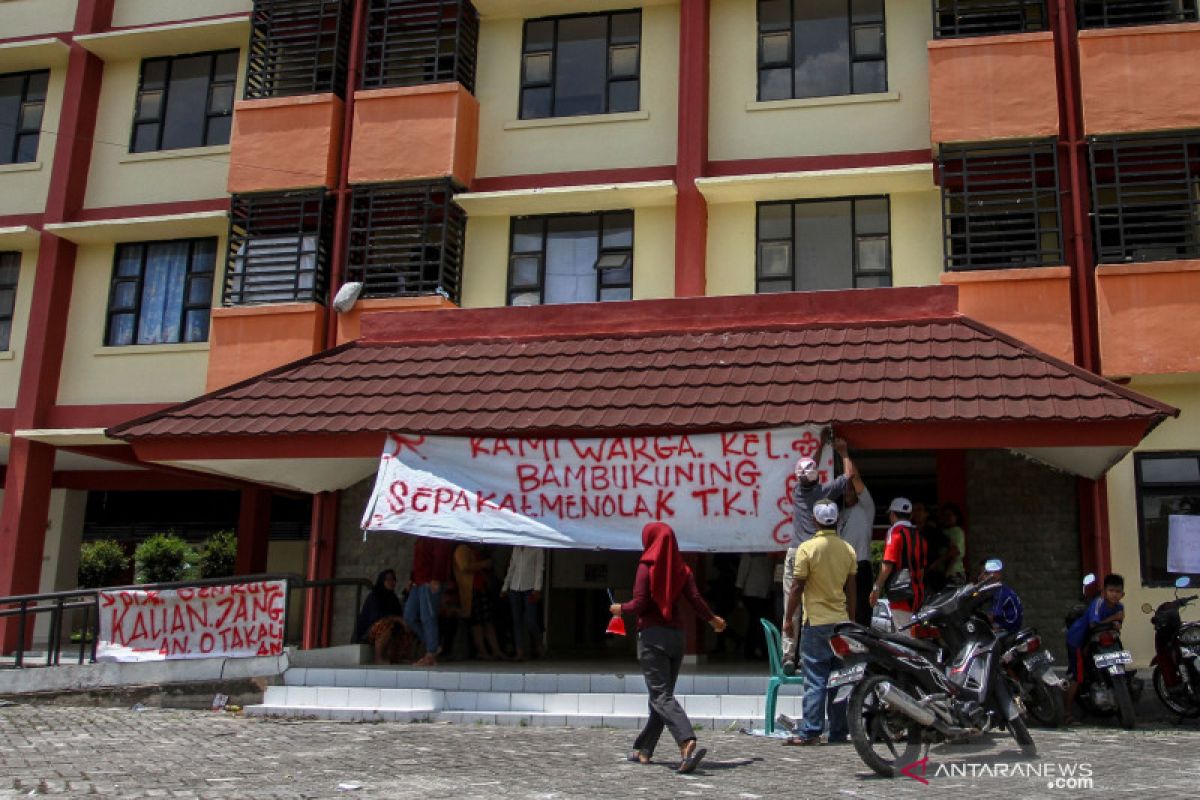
(662,579)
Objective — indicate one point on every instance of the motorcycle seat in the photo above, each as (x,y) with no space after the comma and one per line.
(908,641)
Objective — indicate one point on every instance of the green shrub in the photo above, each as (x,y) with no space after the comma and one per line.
(101,563)
(164,558)
(218,559)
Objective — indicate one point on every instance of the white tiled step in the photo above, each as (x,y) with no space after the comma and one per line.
(342,714)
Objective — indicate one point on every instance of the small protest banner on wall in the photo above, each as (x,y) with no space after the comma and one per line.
(1183,544)
(719,491)
(238,620)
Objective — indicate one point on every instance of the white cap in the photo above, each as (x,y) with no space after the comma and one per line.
(825,512)
(807,468)
(901,505)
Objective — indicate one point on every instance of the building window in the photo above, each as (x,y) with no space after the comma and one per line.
(161,292)
(22,103)
(588,64)
(406,240)
(1119,13)
(278,248)
(414,42)
(820,48)
(1146,197)
(1000,205)
(10,269)
(808,245)
(953,19)
(571,258)
(298,47)
(185,101)
(1168,492)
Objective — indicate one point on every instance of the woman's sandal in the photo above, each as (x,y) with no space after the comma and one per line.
(638,757)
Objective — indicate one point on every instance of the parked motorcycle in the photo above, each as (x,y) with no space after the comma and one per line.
(905,694)
(1107,685)
(1029,669)
(1176,663)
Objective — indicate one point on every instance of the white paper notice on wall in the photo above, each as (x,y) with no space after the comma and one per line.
(1183,544)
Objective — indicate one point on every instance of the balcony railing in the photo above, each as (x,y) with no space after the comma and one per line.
(414,42)
(1120,13)
(298,47)
(279,247)
(406,240)
(957,19)
(1146,197)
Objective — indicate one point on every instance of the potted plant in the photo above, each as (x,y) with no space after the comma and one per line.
(164,558)
(218,557)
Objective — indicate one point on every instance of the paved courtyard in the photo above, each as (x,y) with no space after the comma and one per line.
(163,753)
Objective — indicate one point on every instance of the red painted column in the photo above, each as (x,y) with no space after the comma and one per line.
(253,532)
(952,488)
(691,158)
(27,481)
(322,552)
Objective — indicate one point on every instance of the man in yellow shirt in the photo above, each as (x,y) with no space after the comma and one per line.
(824,577)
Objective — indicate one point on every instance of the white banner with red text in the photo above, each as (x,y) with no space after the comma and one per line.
(239,620)
(720,491)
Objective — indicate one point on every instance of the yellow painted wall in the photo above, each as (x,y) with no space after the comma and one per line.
(93,373)
(508,146)
(31,17)
(485,267)
(821,126)
(915,232)
(118,177)
(10,360)
(1182,433)
(148,12)
(23,187)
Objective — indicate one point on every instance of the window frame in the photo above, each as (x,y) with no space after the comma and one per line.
(1141,490)
(139,280)
(21,131)
(298,47)
(1095,14)
(552,84)
(451,33)
(512,289)
(855,272)
(265,216)
(13,256)
(790,63)
(958,19)
(160,120)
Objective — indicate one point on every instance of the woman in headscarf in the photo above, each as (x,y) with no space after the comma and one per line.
(662,579)
(381,621)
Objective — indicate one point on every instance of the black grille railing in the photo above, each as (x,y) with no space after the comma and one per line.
(955,19)
(413,42)
(406,240)
(279,246)
(1146,197)
(298,47)
(1000,205)
(1119,13)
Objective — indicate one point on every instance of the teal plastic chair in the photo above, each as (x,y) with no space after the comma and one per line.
(778,677)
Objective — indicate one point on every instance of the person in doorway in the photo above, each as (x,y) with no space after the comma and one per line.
(754,580)
(381,621)
(936,546)
(825,570)
(523,587)
(856,525)
(475,603)
(1104,609)
(662,579)
(956,544)
(808,490)
(431,568)
(904,552)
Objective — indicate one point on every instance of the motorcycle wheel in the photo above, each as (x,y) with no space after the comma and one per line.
(1183,706)
(1046,705)
(886,741)
(1020,732)
(1120,688)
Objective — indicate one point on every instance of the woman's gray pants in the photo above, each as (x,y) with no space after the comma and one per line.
(660,652)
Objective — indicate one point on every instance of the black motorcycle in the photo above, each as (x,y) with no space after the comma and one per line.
(1107,685)
(1176,663)
(1028,667)
(905,694)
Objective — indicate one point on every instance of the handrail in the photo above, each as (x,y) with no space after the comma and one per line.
(56,603)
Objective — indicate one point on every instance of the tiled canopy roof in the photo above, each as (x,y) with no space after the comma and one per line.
(934,368)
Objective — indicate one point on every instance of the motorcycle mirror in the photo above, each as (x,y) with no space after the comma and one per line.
(1183,582)
(993,565)
(1088,580)
(1147,608)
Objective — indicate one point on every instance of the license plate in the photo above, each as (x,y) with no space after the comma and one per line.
(849,675)
(1110,659)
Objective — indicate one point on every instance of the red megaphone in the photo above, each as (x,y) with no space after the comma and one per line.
(616,626)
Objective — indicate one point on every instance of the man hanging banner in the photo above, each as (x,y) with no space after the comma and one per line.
(720,491)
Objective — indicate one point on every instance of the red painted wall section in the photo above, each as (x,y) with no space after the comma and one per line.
(253,532)
(691,210)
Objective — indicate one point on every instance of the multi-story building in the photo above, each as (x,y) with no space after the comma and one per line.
(184,187)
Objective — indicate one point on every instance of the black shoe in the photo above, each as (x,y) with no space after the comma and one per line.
(789,668)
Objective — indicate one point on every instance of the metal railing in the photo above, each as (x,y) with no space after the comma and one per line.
(26,609)
(1122,13)
(956,19)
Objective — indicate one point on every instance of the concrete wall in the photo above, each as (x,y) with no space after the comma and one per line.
(148,12)
(31,17)
(60,553)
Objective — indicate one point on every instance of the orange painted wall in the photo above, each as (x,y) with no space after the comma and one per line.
(1033,304)
(1148,319)
(993,87)
(349,324)
(414,132)
(249,340)
(1140,79)
(285,143)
